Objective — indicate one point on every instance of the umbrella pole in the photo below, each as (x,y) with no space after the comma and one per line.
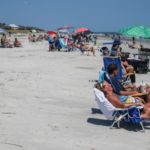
(140,41)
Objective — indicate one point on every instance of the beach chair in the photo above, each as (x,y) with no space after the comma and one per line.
(110,112)
(62,45)
(124,78)
(116,115)
(105,51)
(113,60)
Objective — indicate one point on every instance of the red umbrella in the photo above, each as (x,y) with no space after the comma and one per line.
(80,30)
(52,33)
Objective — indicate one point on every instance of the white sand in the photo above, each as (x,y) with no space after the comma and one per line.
(46,100)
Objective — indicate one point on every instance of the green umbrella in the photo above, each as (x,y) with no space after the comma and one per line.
(136,31)
(33,31)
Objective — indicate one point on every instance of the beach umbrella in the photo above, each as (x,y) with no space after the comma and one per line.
(2,30)
(81,30)
(52,33)
(65,28)
(63,31)
(136,31)
(33,31)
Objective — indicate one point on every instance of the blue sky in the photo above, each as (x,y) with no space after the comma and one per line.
(98,15)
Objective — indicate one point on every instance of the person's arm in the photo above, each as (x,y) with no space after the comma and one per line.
(129,86)
(126,93)
(127,105)
(116,102)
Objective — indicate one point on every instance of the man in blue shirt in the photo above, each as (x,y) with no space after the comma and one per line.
(118,88)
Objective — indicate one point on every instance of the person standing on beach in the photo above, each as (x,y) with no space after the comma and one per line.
(51,43)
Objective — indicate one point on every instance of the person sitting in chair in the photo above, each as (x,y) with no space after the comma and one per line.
(116,50)
(6,42)
(88,48)
(17,43)
(133,45)
(118,88)
(3,41)
(107,89)
(128,70)
(116,84)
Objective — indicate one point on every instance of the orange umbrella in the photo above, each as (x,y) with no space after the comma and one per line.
(81,30)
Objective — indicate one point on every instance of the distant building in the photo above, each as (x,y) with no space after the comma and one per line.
(13,26)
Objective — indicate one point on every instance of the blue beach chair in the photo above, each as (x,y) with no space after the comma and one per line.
(117,62)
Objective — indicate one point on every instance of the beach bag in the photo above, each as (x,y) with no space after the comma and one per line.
(134,115)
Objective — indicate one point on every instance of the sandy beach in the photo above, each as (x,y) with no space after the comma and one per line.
(46,100)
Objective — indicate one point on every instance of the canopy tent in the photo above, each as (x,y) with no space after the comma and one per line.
(136,31)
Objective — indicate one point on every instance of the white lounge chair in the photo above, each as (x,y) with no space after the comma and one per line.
(111,112)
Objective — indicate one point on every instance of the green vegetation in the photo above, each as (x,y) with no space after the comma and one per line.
(17,31)
(22,29)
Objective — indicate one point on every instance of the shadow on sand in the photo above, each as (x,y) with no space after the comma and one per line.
(96,111)
(124,125)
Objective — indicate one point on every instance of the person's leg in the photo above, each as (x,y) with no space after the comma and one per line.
(94,50)
(148,91)
(88,52)
(130,69)
(146,113)
(50,47)
(148,98)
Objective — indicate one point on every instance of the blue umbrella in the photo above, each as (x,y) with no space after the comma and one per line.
(2,30)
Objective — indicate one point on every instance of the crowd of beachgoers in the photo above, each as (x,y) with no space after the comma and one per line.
(117,87)
(121,92)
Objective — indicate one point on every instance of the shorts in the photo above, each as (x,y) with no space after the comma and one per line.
(132,100)
(128,99)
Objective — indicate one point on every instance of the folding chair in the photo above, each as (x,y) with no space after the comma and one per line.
(115,114)
(117,61)
(113,60)
(110,112)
